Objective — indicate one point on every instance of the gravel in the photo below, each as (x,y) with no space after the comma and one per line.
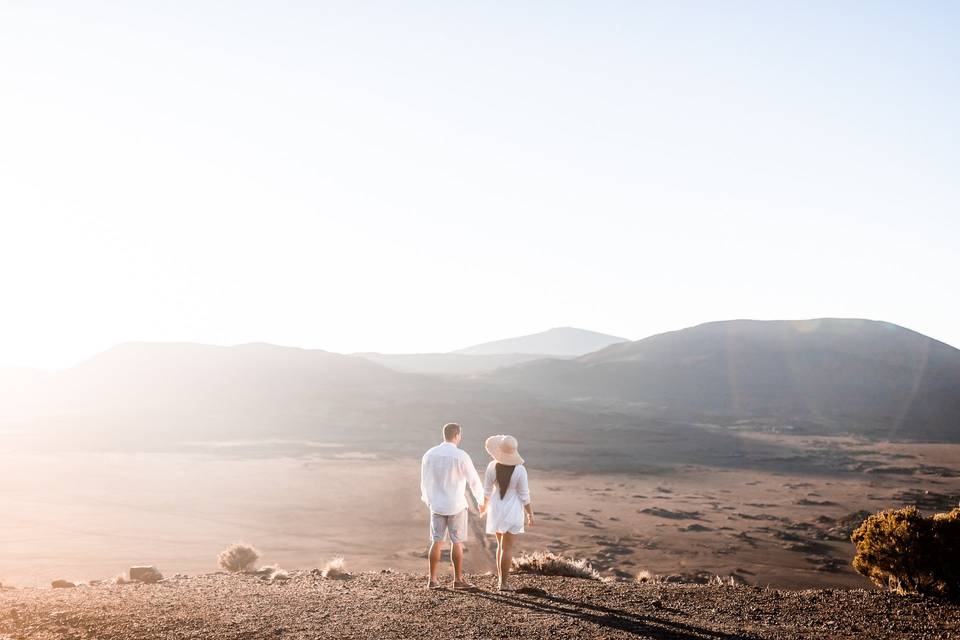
(396,605)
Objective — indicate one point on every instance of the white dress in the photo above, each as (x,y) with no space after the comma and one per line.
(506,515)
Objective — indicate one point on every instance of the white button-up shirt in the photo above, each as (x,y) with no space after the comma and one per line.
(445,472)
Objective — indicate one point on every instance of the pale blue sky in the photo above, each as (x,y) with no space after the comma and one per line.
(406,176)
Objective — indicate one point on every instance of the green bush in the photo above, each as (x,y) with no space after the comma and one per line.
(908,553)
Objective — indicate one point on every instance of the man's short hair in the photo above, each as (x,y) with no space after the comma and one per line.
(450,431)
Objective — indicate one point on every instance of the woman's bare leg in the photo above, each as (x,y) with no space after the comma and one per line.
(499,555)
(506,558)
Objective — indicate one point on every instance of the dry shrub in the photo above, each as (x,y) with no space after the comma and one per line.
(336,569)
(547,563)
(908,553)
(238,558)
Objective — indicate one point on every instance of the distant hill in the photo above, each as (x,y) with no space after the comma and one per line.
(561,341)
(447,363)
(163,392)
(832,376)
(161,395)
(841,374)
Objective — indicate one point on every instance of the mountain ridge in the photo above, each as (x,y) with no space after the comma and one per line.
(834,371)
(835,376)
(558,341)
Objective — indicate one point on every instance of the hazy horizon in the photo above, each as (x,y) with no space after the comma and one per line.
(419,178)
(452,352)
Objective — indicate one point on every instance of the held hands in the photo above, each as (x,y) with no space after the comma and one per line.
(483,507)
(529,519)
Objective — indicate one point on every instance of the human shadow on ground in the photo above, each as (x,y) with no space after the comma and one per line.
(607,617)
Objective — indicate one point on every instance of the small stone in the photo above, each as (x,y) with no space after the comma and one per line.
(145,574)
(62,584)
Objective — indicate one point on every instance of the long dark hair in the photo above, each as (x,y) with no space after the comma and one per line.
(504,473)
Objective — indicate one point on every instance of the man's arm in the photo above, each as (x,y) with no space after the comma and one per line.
(473,478)
(423,481)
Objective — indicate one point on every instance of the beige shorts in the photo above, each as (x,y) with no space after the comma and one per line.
(456,525)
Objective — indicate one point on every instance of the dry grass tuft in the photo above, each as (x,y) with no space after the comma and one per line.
(121,578)
(699,577)
(238,558)
(273,573)
(646,576)
(548,563)
(728,581)
(335,569)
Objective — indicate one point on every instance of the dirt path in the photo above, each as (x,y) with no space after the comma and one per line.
(395,605)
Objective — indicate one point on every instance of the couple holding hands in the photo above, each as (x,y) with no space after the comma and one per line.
(504,496)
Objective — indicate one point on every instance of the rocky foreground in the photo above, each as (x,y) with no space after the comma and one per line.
(395,605)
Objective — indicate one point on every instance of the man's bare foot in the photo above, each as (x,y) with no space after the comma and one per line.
(507,587)
(463,584)
(433,584)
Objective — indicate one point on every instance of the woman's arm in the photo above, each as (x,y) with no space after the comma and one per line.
(489,478)
(523,492)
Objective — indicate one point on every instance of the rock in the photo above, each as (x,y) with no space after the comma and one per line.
(145,574)
(62,584)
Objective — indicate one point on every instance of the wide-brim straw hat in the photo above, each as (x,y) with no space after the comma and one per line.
(503,449)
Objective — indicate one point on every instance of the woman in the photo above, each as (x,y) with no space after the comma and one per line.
(506,501)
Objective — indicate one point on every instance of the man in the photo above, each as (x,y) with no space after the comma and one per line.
(445,472)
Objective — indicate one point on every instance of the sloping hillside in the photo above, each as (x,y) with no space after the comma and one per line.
(396,605)
(154,391)
(843,375)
